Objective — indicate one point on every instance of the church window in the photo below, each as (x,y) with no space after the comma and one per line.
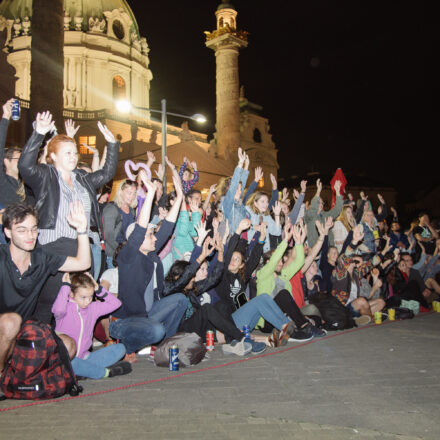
(118,30)
(118,88)
(90,141)
(221,22)
(257,136)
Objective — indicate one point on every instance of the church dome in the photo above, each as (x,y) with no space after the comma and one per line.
(13,9)
(225,5)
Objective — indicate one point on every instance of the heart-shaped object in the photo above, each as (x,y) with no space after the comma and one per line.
(130,165)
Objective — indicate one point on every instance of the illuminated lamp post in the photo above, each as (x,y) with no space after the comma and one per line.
(125,106)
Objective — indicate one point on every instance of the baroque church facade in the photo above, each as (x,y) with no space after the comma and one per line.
(106,60)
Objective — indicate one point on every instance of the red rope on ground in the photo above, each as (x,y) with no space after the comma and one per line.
(201,370)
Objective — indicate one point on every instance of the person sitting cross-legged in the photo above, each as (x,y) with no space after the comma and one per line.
(146,316)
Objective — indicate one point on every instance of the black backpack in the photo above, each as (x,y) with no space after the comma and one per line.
(334,314)
(39,367)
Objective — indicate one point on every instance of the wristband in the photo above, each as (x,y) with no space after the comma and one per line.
(262,241)
(354,246)
(81,233)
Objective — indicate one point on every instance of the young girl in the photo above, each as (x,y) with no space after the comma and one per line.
(76,314)
(258,212)
(185,175)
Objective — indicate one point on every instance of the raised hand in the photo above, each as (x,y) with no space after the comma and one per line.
(285,195)
(288,229)
(66,278)
(241,157)
(151,158)
(303,185)
(258,174)
(244,225)
(274,182)
(350,197)
(295,194)
(277,208)
(44,123)
(318,187)
(77,218)
(381,199)
(338,185)
(263,231)
(7,108)
(208,247)
(193,165)
(358,234)
(218,242)
(296,233)
(108,135)
(95,284)
(363,196)
(328,224)
(194,206)
(71,130)
(202,232)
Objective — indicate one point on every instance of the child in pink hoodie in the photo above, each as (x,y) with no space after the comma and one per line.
(76,314)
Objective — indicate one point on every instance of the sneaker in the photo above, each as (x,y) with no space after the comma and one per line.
(144,351)
(302,334)
(240,348)
(132,358)
(119,369)
(362,320)
(257,347)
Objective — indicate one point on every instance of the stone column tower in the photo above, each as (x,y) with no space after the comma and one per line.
(226,41)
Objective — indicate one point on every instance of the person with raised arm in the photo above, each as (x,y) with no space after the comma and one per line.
(316,212)
(12,187)
(24,269)
(146,316)
(349,270)
(57,184)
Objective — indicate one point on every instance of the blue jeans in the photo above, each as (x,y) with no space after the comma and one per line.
(162,322)
(96,364)
(260,306)
(96,254)
(109,262)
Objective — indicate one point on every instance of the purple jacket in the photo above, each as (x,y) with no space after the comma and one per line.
(187,185)
(79,323)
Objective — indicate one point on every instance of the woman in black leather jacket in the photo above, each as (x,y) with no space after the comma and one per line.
(57,184)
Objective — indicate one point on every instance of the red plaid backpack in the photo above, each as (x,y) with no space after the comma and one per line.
(39,367)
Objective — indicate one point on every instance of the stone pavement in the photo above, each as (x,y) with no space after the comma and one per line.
(377,382)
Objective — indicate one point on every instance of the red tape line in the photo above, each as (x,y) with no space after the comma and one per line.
(201,370)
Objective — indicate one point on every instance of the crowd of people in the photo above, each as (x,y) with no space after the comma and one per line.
(136,270)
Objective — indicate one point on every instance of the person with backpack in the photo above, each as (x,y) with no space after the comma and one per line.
(76,314)
(24,269)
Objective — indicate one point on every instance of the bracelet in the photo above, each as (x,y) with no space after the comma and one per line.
(354,246)
(81,233)
(262,241)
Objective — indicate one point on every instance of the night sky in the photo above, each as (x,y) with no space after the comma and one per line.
(342,82)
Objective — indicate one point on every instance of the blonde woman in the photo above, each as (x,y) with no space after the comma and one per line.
(257,208)
(117,216)
(343,225)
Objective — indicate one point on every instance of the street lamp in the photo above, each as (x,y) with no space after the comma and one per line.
(125,106)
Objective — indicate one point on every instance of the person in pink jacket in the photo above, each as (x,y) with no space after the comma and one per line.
(76,314)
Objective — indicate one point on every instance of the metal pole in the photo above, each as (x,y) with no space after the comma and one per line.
(164,143)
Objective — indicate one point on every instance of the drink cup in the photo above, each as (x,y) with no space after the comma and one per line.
(392,314)
(378,317)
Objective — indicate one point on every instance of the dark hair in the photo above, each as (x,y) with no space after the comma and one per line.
(176,270)
(117,250)
(171,196)
(9,152)
(16,213)
(80,279)
(192,192)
